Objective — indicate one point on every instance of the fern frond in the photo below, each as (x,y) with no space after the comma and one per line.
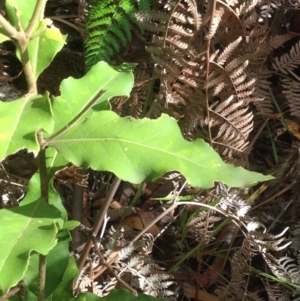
(108,27)
(267,8)
(245,7)
(284,268)
(228,51)
(291,89)
(287,62)
(275,290)
(202,225)
(215,23)
(235,123)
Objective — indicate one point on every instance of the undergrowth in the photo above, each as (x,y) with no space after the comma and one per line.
(161,215)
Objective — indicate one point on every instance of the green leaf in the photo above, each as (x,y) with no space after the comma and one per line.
(19,122)
(31,227)
(24,9)
(114,295)
(70,225)
(44,43)
(43,48)
(136,150)
(56,265)
(65,289)
(75,96)
(16,297)
(54,162)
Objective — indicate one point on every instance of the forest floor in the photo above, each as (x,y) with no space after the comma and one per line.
(203,249)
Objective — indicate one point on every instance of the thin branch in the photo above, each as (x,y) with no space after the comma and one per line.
(100,218)
(77,209)
(8,28)
(39,9)
(43,174)
(23,41)
(11,293)
(62,20)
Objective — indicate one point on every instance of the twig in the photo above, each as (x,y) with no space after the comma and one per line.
(99,221)
(8,28)
(12,292)
(77,209)
(275,195)
(171,208)
(60,19)
(39,9)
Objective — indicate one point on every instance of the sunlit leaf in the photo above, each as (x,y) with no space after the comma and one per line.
(77,94)
(136,150)
(19,122)
(32,227)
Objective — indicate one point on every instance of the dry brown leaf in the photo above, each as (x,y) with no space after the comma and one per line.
(140,223)
(292,127)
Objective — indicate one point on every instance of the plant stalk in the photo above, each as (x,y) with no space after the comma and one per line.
(45,196)
(42,278)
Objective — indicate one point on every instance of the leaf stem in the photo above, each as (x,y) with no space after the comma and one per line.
(43,174)
(45,196)
(52,138)
(11,293)
(39,9)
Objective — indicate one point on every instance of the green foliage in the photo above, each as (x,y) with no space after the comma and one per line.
(75,97)
(136,150)
(76,127)
(45,42)
(109,27)
(57,264)
(17,128)
(30,227)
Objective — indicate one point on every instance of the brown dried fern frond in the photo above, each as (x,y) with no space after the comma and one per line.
(291,89)
(178,49)
(201,226)
(288,61)
(276,291)
(229,119)
(243,9)
(216,20)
